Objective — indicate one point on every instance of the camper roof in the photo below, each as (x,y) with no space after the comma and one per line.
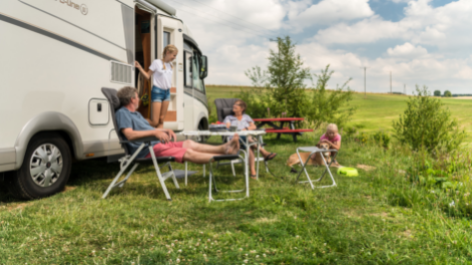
(163,6)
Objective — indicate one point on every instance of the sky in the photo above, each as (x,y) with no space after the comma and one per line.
(421,42)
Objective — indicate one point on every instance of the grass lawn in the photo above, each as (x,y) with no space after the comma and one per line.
(357,222)
(376,218)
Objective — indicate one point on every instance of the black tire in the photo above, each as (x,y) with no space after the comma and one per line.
(25,186)
(203,126)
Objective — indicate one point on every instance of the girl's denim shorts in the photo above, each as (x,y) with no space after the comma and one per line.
(160,95)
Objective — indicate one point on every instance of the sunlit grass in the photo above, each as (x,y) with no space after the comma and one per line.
(282,222)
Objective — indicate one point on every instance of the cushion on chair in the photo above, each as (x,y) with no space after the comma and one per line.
(158,159)
(225,157)
(227,111)
(110,94)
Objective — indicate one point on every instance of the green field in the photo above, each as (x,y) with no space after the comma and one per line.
(376,218)
(377,111)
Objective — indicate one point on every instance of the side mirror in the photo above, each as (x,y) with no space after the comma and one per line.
(203,67)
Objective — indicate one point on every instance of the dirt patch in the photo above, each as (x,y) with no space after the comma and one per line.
(366,167)
(266,220)
(69,188)
(407,233)
(13,207)
(382,214)
(352,213)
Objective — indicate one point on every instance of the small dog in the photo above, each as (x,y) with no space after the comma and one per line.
(315,159)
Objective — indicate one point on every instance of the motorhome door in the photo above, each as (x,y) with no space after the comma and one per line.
(169,31)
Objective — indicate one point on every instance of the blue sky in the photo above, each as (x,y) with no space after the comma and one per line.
(424,42)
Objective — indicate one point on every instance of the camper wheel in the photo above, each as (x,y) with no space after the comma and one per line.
(203,126)
(46,168)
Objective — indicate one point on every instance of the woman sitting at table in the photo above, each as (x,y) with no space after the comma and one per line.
(243,122)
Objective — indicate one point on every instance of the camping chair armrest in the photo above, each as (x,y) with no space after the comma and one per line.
(144,139)
(228,157)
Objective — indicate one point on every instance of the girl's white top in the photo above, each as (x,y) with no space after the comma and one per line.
(161,78)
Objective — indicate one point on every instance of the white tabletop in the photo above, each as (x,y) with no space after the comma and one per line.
(312,149)
(223,133)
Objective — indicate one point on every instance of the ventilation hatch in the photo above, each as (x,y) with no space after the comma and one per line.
(121,73)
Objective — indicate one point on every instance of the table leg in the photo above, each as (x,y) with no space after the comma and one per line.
(281,128)
(260,125)
(259,141)
(292,127)
(247,166)
(186,167)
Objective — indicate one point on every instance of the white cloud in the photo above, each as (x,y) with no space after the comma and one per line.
(328,11)
(366,31)
(407,50)
(435,51)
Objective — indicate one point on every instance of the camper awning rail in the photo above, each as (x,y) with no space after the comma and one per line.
(154,4)
(146,6)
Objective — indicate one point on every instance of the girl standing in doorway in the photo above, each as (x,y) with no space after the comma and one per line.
(161,72)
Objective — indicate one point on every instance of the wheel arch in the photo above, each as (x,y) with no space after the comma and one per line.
(49,122)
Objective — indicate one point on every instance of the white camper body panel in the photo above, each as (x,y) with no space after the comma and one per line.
(55,58)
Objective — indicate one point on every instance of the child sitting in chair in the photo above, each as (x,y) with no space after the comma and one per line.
(333,138)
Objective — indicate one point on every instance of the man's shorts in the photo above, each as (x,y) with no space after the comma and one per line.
(160,95)
(173,149)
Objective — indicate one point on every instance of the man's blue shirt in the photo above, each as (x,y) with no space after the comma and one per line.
(134,120)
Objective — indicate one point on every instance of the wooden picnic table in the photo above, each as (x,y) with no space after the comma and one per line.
(280,129)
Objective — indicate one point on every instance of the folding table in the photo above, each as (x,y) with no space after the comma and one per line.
(255,133)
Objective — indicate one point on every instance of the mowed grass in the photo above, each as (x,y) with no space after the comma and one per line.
(358,222)
(281,223)
(376,111)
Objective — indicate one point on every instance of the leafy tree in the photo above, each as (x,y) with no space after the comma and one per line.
(329,106)
(427,124)
(285,90)
(287,76)
(447,94)
(437,93)
(285,79)
(257,76)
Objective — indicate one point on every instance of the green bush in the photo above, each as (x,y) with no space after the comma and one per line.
(437,93)
(285,91)
(447,94)
(382,138)
(329,106)
(427,124)
(284,81)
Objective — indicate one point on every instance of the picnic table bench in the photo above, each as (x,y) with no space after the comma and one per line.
(280,129)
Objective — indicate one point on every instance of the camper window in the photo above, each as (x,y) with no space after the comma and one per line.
(197,82)
(166,38)
(188,69)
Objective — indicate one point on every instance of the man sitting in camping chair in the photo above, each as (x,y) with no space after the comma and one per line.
(132,125)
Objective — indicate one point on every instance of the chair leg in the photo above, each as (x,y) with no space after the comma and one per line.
(212,181)
(123,182)
(322,176)
(232,168)
(113,183)
(176,183)
(304,169)
(158,172)
(210,197)
(186,173)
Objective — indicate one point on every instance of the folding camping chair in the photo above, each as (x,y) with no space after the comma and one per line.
(218,159)
(313,150)
(224,107)
(129,158)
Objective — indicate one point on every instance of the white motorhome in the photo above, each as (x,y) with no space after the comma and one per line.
(56,55)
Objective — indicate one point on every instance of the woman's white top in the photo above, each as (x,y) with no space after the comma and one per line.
(161,78)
